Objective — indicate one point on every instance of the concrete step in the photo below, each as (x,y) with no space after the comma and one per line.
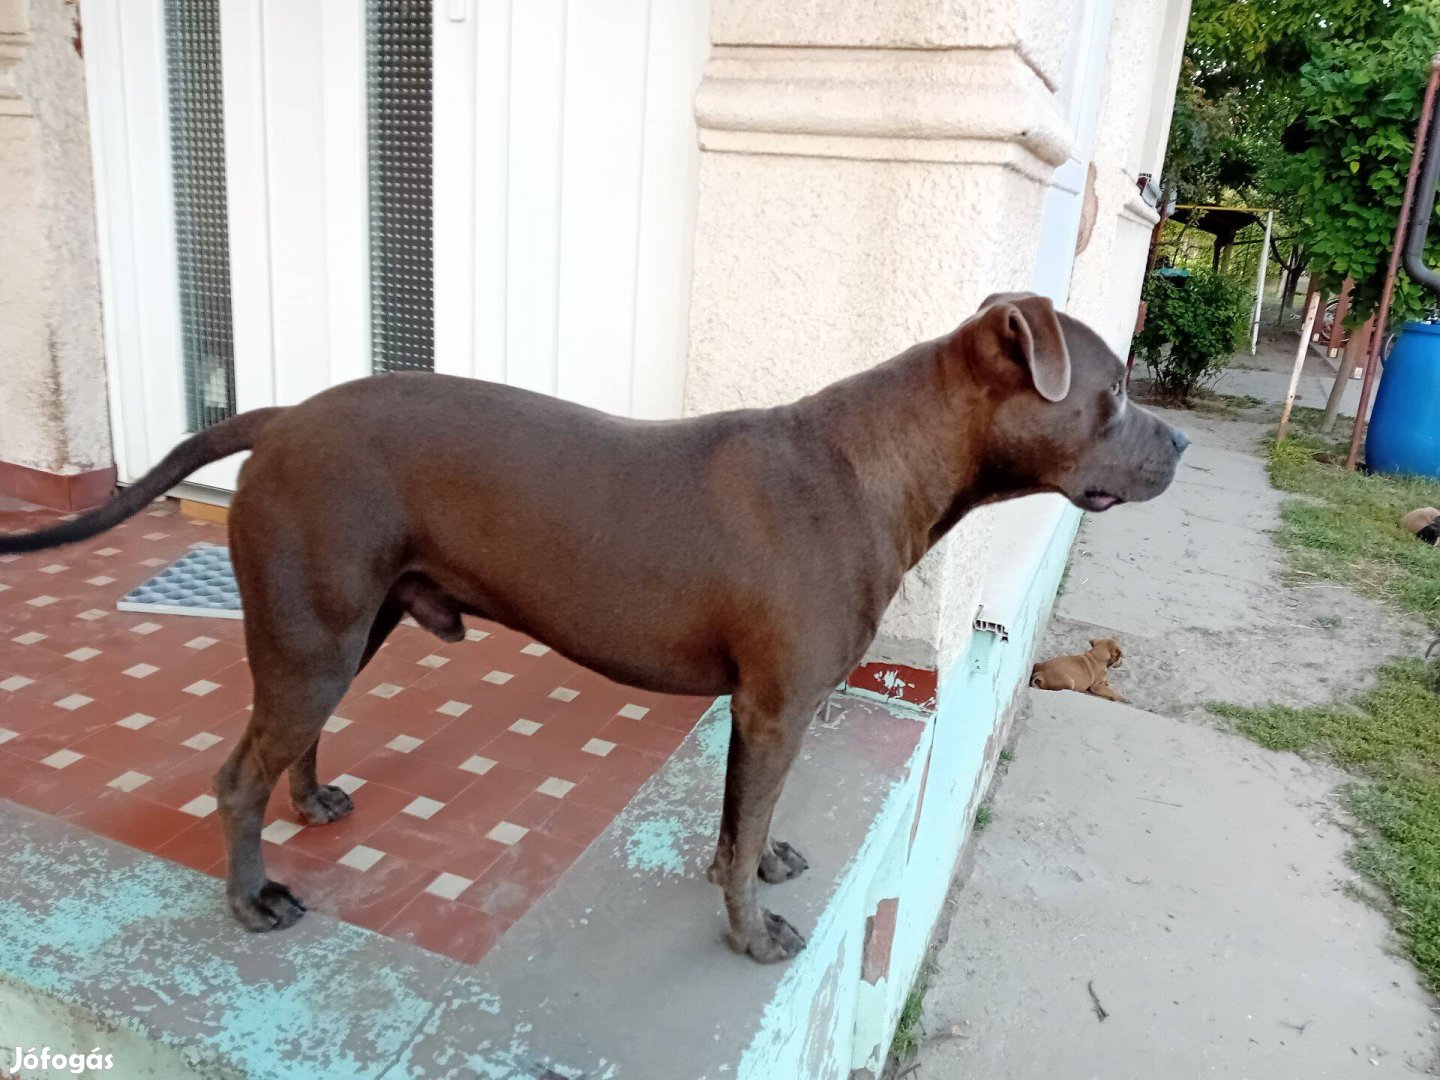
(618,971)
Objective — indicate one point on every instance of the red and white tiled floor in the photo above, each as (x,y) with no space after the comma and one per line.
(480,769)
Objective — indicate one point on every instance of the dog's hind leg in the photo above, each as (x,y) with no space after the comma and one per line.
(290,710)
(321,803)
(1104,690)
(763,744)
(302,663)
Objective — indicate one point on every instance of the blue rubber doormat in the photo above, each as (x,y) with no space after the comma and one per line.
(200,582)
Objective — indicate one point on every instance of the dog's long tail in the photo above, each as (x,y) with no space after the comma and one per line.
(223,439)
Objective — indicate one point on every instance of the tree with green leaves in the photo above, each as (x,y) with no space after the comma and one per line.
(1311,109)
(1350,150)
(1192,325)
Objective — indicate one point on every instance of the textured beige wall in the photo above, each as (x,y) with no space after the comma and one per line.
(53,413)
(861,190)
(1141,69)
(810,269)
(869,172)
(815,268)
(1040,31)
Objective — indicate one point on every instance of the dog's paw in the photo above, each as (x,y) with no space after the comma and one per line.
(781,862)
(325,804)
(777,941)
(274,907)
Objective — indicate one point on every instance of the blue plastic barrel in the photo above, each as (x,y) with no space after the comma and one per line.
(1404,435)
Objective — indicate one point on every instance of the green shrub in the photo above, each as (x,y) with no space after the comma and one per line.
(1192,325)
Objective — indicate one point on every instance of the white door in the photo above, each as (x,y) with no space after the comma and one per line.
(294,193)
(565,180)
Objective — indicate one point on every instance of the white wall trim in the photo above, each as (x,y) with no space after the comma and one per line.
(882,104)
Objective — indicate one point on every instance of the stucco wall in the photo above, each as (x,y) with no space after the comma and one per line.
(862,189)
(53,412)
(858,261)
(815,268)
(1139,86)
(1038,30)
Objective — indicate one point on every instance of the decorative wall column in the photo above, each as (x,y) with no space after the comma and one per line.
(54,420)
(1146,42)
(869,173)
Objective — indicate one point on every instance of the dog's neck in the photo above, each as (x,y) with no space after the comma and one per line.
(907,430)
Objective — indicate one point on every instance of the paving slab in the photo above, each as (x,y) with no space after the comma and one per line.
(1191,879)
(1198,885)
(619,971)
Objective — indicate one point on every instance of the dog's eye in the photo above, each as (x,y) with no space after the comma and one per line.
(1117,387)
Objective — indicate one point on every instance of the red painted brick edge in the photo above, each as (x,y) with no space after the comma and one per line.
(59,491)
(879,938)
(914,686)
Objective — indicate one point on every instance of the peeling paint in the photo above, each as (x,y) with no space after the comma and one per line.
(146,946)
(667,831)
(820,1023)
(712,732)
(654,846)
(905,708)
(139,943)
(777,1042)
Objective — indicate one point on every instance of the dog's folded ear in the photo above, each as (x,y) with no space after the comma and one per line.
(1025,324)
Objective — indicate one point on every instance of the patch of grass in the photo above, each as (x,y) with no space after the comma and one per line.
(1346,526)
(1391,736)
(1329,622)
(907,1029)
(1006,756)
(983,817)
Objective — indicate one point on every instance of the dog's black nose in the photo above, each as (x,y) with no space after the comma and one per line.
(1179,439)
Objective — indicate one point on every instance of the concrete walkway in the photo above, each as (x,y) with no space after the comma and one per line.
(1193,881)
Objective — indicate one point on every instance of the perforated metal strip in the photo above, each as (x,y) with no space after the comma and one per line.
(197,149)
(402,300)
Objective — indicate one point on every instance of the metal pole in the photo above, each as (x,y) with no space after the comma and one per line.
(1382,313)
(1310,312)
(1260,282)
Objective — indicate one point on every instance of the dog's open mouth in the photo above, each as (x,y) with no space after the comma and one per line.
(1096,500)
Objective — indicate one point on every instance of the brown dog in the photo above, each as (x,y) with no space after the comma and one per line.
(1085,671)
(749,553)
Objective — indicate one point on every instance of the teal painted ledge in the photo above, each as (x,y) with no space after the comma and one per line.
(618,972)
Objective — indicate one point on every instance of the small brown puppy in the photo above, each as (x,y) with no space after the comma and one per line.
(1085,672)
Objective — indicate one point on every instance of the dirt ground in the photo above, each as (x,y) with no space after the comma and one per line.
(1302,642)
(1144,856)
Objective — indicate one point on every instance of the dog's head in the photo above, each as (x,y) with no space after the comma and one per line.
(1108,649)
(1060,419)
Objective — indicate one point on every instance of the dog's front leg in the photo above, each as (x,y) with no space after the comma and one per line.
(779,861)
(763,745)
